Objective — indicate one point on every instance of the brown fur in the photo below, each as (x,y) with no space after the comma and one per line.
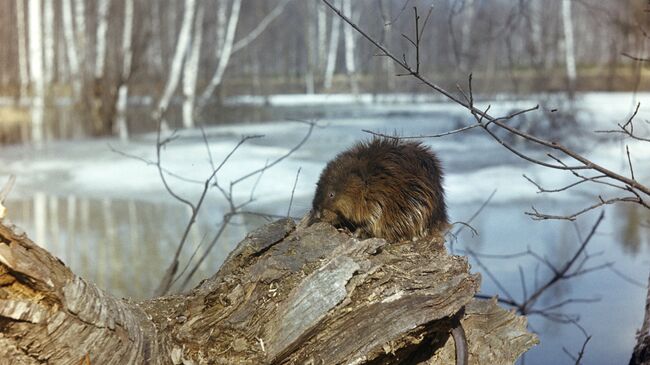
(383,188)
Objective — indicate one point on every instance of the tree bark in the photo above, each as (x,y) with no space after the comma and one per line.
(285,295)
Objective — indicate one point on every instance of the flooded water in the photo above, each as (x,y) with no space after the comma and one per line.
(109,218)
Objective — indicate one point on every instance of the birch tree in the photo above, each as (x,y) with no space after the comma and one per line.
(127,55)
(350,66)
(71,48)
(569,49)
(184,38)
(226,52)
(36,70)
(310,45)
(102,28)
(48,41)
(22,50)
(222,8)
(333,49)
(387,63)
(191,71)
(322,35)
(80,28)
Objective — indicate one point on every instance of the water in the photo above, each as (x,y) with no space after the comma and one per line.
(109,218)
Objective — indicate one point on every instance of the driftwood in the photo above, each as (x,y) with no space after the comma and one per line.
(286,295)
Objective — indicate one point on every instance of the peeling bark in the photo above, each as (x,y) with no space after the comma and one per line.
(285,295)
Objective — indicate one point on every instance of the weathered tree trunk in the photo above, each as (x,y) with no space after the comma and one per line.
(285,295)
(641,354)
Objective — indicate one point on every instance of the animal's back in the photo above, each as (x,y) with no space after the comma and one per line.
(385,188)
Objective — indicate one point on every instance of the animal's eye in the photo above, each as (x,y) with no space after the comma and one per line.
(331,195)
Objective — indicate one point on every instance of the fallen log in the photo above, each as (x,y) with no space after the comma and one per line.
(285,295)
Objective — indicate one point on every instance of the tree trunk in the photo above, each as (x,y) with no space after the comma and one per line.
(350,65)
(191,70)
(121,124)
(641,354)
(310,45)
(569,49)
(225,53)
(73,60)
(49,33)
(22,50)
(330,66)
(180,53)
(100,47)
(285,295)
(36,71)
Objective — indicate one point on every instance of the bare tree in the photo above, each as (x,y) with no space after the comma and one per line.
(569,48)
(180,53)
(36,70)
(22,49)
(333,50)
(127,55)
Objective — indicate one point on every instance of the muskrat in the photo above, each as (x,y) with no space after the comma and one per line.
(383,187)
(387,188)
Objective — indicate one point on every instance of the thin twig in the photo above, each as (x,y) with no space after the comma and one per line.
(293,190)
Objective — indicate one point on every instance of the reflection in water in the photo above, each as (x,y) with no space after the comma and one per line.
(634,229)
(123,246)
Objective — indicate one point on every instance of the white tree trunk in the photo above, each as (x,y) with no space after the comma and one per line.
(179,57)
(36,70)
(226,51)
(127,55)
(191,71)
(102,28)
(310,43)
(261,26)
(333,49)
(22,50)
(222,8)
(69,34)
(229,49)
(350,65)
(569,49)
(48,41)
(80,27)
(322,34)
(387,63)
